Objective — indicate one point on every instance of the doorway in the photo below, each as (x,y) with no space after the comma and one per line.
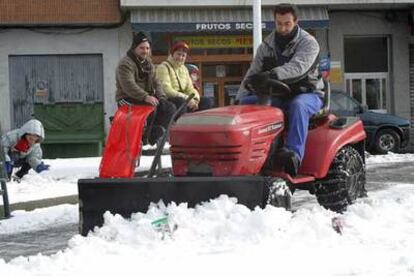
(221,81)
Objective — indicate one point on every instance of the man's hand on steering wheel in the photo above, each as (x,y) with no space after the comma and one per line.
(266,83)
(259,82)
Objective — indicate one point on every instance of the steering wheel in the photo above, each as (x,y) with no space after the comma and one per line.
(278,88)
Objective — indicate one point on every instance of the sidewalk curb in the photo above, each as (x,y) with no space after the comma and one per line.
(41,203)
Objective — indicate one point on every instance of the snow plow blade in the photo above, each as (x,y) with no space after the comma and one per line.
(127,196)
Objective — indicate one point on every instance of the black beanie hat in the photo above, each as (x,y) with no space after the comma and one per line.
(138,38)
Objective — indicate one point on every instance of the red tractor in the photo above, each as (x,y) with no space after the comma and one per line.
(229,150)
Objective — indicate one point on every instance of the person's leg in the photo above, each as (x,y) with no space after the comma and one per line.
(165,111)
(301,109)
(251,99)
(279,103)
(24,167)
(178,101)
(205,103)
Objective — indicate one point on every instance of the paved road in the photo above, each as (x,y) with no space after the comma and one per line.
(54,239)
(46,241)
(379,176)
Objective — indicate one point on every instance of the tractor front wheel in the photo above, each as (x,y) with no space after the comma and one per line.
(279,194)
(344,183)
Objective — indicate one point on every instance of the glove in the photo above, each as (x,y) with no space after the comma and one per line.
(259,82)
(42,167)
(9,167)
(261,79)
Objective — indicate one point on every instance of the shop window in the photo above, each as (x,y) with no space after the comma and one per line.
(222,70)
(159,45)
(230,91)
(366,70)
(211,91)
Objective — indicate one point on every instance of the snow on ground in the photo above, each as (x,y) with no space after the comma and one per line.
(222,237)
(62,178)
(42,218)
(373,160)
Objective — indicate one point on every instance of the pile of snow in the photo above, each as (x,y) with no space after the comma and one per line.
(222,237)
(62,178)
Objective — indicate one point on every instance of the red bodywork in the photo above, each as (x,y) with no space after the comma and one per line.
(324,142)
(214,152)
(124,142)
(238,145)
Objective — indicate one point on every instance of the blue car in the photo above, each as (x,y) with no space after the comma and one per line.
(385,132)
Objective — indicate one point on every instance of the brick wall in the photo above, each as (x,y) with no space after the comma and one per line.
(59,12)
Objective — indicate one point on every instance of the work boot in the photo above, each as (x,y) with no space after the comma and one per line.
(288,160)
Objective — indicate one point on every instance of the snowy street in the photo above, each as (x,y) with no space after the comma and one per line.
(216,237)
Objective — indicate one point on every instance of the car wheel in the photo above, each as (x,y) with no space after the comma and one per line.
(387,140)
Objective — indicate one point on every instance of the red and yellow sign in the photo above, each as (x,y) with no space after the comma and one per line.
(217,41)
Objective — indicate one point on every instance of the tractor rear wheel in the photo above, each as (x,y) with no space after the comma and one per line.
(344,183)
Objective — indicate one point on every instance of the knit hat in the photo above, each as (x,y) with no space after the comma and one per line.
(192,69)
(138,38)
(179,45)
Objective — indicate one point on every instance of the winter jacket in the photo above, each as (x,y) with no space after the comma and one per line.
(297,65)
(34,154)
(175,79)
(132,86)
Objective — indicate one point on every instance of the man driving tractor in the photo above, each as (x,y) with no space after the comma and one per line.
(291,55)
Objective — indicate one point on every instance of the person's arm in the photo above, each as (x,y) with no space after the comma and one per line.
(126,78)
(159,90)
(8,142)
(163,75)
(34,158)
(189,89)
(304,58)
(255,67)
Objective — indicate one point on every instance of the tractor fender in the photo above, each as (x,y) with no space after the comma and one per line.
(325,141)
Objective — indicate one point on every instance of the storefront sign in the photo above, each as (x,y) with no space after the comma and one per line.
(227,26)
(216,27)
(217,41)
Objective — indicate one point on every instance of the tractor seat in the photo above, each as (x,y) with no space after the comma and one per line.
(324,111)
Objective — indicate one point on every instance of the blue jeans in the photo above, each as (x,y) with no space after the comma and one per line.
(299,110)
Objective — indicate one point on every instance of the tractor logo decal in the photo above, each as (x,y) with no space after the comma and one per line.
(270,128)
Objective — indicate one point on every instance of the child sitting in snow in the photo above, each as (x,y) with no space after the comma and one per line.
(22,149)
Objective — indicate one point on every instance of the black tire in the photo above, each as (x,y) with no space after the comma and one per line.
(387,140)
(344,183)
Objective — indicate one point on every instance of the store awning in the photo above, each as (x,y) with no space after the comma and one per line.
(217,20)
